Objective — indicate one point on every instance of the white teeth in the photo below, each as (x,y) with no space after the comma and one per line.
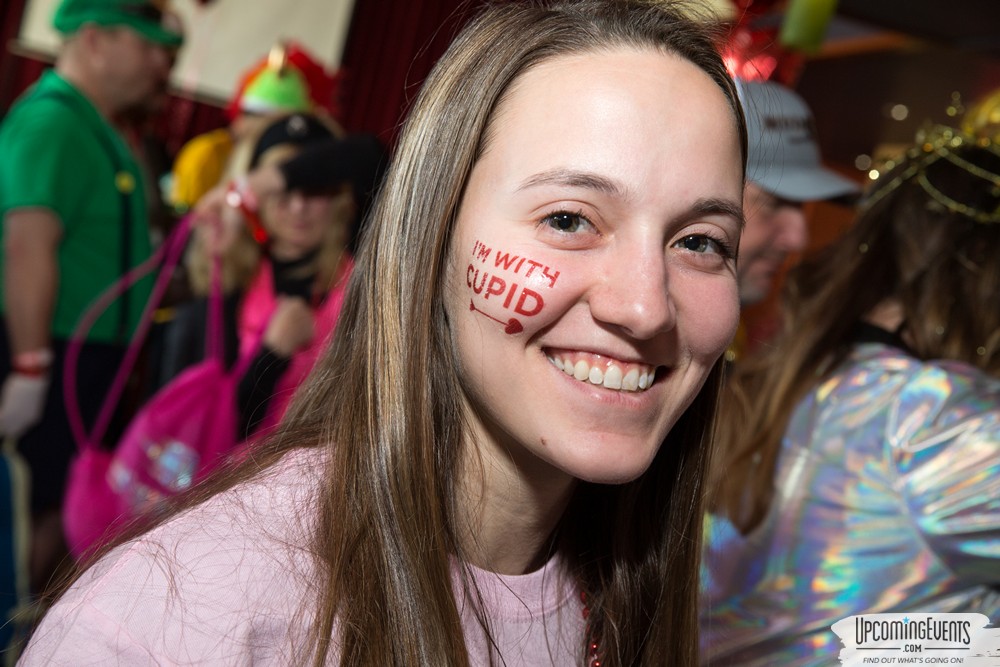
(631,380)
(610,376)
(613,378)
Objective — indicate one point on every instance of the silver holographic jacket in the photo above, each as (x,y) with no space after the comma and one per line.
(887,500)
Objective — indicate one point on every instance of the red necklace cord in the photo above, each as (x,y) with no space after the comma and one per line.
(593,659)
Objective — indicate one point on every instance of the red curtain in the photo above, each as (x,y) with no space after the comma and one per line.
(16,73)
(391,47)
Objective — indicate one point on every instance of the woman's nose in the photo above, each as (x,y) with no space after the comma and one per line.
(793,235)
(296,201)
(632,292)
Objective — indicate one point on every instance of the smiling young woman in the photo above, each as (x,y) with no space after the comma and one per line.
(501,457)
(627,246)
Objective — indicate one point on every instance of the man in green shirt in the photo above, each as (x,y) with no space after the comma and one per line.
(73,221)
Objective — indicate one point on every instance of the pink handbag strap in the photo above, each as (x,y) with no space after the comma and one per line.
(169,253)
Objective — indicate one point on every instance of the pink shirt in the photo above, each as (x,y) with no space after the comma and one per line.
(257,307)
(224,583)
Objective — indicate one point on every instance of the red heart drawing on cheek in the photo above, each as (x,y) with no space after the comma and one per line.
(513,326)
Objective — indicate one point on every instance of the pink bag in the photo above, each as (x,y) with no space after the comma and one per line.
(183,433)
(177,438)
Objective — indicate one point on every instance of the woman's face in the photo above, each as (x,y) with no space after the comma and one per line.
(591,283)
(297,222)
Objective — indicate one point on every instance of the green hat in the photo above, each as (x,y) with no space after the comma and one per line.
(276,91)
(140,15)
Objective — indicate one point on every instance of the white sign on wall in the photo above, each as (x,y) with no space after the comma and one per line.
(224,38)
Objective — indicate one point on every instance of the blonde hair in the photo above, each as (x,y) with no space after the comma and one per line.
(939,264)
(241,260)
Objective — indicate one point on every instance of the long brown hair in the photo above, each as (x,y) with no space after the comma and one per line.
(925,251)
(387,392)
(391,502)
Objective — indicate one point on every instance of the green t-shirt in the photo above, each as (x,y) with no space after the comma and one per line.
(58,153)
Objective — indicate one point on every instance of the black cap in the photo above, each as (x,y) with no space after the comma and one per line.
(298,129)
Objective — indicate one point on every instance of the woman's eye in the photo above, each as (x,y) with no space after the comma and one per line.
(567,222)
(701,243)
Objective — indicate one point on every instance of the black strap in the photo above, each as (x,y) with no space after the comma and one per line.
(865,332)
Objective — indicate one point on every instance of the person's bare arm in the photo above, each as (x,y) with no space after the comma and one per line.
(31,276)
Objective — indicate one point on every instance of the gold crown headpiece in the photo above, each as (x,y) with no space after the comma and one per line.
(940,142)
(277,58)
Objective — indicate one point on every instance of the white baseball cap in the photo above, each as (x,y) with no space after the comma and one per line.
(783,156)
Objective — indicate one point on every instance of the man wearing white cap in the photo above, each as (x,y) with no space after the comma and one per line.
(783,172)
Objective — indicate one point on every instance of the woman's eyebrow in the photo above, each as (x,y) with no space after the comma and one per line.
(577,179)
(715,206)
(591,181)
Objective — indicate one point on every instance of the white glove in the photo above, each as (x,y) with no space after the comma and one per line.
(22,401)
